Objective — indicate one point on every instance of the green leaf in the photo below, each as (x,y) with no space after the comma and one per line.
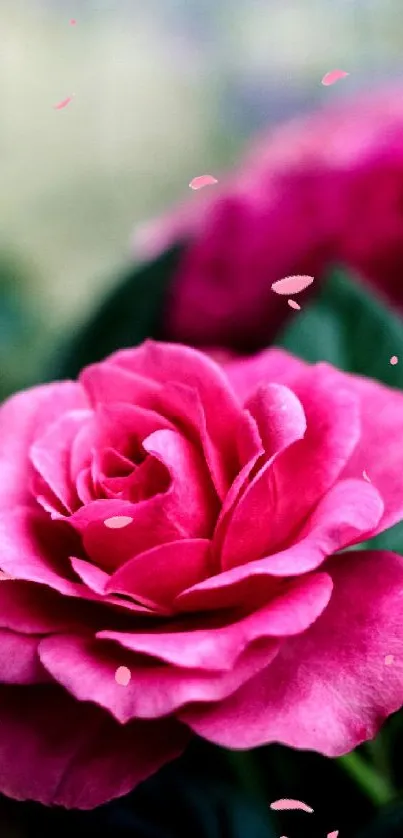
(132,311)
(350,328)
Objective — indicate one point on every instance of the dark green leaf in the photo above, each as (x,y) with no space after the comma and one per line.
(349,327)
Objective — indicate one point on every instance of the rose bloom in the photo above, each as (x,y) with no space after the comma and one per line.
(190,521)
(319,191)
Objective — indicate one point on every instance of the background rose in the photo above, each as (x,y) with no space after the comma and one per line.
(320,190)
(238,486)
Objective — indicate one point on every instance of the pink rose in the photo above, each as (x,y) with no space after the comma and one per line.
(318,191)
(191,523)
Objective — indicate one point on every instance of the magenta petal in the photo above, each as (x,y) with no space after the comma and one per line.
(50,455)
(29,608)
(217,647)
(87,670)
(186,510)
(279,416)
(270,366)
(92,576)
(34,549)
(171,364)
(23,418)
(380,451)
(329,689)
(82,757)
(108,383)
(308,469)
(281,422)
(285,492)
(162,573)
(348,512)
(124,426)
(19,660)
(184,405)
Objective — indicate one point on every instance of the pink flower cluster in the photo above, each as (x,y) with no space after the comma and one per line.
(317,192)
(188,524)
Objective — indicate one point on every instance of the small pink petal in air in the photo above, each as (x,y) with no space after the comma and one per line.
(73,22)
(63,103)
(285,803)
(365,476)
(123,676)
(294,304)
(202,180)
(292,284)
(389,660)
(394,359)
(333,834)
(333,76)
(118,522)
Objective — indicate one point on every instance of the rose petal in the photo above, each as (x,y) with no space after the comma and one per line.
(118,522)
(29,608)
(202,180)
(346,514)
(19,660)
(292,284)
(270,366)
(63,103)
(332,76)
(37,550)
(82,757)
(169,363)
(186,510)
(216,647)
(162,573)
(23,418)
(87,669)
(50,455)
(281,422)
(286,489)
(328,689)
(287,804)
(379,451)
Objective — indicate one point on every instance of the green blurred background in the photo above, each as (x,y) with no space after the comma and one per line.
(163,91)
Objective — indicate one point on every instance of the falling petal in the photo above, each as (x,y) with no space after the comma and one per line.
(389,660)
(333,76)
(286,803)
(292,284)
(73,22)
(118,522)
(123,676)
(63,103)
(202,180)
(394,359)
(294,304)
(365,476)
(333,834)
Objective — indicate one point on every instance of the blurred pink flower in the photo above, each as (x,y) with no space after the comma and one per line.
(182,525)
(318,191)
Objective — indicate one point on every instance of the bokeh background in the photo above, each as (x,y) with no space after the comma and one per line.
(162,91)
